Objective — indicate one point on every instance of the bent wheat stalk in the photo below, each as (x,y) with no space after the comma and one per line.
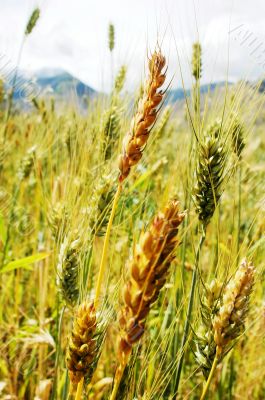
(135,141)
(148,268)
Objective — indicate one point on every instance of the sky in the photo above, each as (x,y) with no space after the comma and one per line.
(73,35)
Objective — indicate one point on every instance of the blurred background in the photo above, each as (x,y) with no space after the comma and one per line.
(71,36)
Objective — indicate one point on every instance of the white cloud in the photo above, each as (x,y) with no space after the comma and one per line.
(72,34)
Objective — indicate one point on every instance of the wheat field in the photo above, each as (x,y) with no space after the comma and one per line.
(132,241)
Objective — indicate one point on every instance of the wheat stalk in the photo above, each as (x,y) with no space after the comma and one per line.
(238,144)
(148,268)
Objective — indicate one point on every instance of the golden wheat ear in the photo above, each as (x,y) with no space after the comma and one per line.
(145,117)
(229,322)
(84,344)
(224,320)
(148,270)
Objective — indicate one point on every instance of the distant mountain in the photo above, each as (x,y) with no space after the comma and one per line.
(63,86)
(56,83)
(179,94)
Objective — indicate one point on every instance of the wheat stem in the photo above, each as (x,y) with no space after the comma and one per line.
(190,306)
(206,387)
(13,88)
(118,377)
(79,389)
(239,211)
(105,246)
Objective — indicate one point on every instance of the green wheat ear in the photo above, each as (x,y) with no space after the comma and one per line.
(210,172)
(68,270)
(111,37)
(26,164)
(196,61)
(120,79)
(204,337)
(238,141)
(32,21)
(100,204)
(111,129)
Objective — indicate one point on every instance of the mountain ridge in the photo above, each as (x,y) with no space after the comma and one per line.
(60,83)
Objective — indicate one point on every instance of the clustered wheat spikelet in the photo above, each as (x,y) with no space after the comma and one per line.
(82,346)
(68,270)
(111,130)
(237,136)
(210,172)
(205,345)
(32,21)
(136,138)
(196,61)
(229,321)
(57,218)
(120,79)
(26,164)
(148,272)
(163,122)
(223,311)
(100,204)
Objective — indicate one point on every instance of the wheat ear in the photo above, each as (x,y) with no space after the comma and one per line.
(145,117)
(148,268)
(135,141)
(229,322)
(197,73)
(83,350)
(68,270)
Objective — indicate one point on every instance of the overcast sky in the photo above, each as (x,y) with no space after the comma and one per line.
(72,35)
